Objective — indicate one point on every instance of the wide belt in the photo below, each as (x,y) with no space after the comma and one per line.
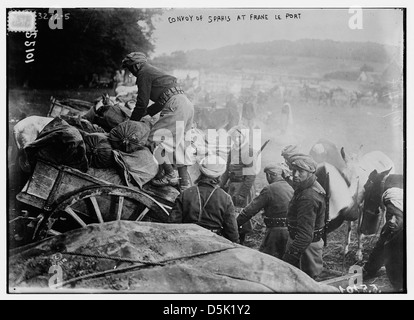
(275,222)
(317,234)
(167,94)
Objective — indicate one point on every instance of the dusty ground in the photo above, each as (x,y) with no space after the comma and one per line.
(370,126)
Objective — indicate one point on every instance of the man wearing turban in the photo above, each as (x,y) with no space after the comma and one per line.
(176,118)
(305,218)
(206,204)
(389,248)
(288,152)
(274,200)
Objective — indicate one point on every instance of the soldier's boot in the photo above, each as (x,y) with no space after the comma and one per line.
(169,178)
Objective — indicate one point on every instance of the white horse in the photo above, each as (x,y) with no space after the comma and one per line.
(346,190)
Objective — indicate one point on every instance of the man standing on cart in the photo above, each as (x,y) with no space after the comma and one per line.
(176,118)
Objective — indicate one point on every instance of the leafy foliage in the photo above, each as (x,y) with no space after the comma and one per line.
(90,41)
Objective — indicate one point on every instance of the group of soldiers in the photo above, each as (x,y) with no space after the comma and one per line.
(293,205)
(222,198)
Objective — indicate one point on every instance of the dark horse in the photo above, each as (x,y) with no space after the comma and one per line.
(384,193)
(375,187)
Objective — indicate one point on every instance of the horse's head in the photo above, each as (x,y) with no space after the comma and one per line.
(373,190)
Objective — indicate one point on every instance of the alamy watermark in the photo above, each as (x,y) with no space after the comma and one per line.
(356,20)
(56,271)
(244,146)
(355,282)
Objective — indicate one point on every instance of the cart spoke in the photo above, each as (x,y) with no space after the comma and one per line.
(96,208)
(133,205)
(75,216)
(120,205)
(142,214)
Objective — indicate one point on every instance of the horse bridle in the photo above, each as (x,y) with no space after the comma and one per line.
(382,187)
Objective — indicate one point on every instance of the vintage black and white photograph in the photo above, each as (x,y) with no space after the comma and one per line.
(206,150)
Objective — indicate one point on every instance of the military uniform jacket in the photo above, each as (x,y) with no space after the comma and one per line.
(151,83)
(218,213)
(274,199)
(306,214)
(237,171)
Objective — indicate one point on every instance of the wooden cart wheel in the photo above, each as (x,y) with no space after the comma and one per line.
(99,204)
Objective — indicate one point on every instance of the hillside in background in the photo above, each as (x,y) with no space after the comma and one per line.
(309,57)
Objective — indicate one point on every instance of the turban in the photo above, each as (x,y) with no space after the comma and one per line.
(289,151)
(213,166)
(303,162)
(276,168)
(133,58)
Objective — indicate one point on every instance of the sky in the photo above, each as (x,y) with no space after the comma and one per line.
(384,26)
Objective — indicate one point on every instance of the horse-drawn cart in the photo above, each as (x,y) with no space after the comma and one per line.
(69,199)
(62,198)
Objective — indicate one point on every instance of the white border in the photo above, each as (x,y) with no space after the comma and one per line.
(219,4)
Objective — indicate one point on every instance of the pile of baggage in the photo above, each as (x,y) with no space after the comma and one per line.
(101,141)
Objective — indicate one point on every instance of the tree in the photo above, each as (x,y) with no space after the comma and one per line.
(90,41)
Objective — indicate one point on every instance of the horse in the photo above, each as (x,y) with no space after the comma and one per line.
(377,188)
(342,205)
(326,151)
(354,173)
